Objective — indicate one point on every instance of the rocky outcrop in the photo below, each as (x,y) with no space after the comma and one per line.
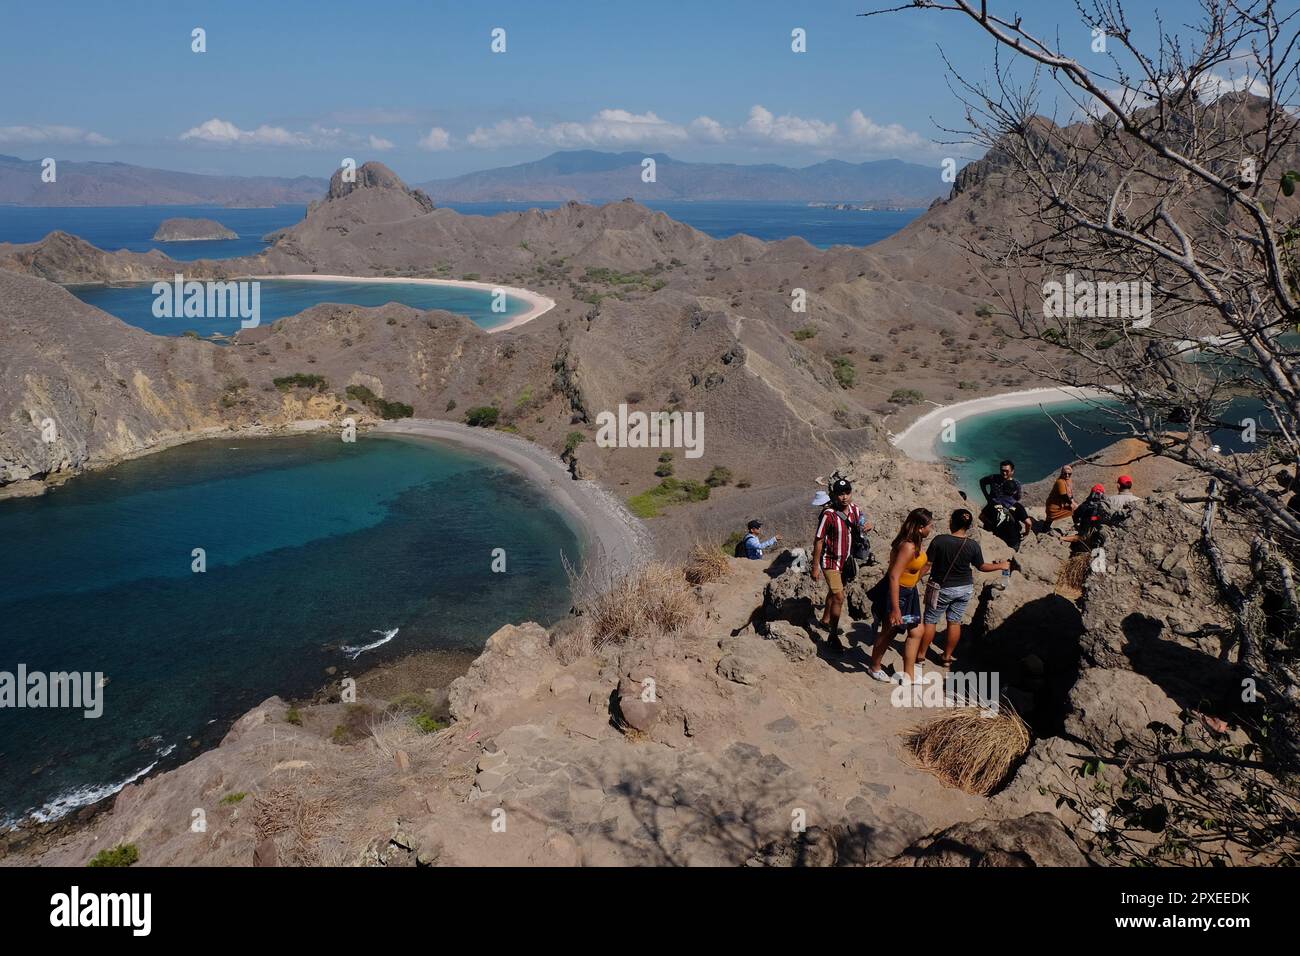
(180,229)
(1035,839)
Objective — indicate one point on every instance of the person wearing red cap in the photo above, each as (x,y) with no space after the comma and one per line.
(1090,514)
(1125,498)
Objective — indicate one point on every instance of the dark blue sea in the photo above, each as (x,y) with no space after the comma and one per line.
(311,544)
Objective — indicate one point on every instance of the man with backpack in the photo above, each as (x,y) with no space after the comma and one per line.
(1004,491)
(750,546)
(841,527)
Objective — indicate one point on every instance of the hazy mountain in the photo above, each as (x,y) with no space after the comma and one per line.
(121,184)
(592,175)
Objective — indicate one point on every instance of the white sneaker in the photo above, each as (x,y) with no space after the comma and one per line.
(881,676)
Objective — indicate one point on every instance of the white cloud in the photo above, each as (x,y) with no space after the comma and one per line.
(708,130)
(865,132)
(220,132)
(788,130)
(436,140)
(225,133)
(606,128)
(59,135)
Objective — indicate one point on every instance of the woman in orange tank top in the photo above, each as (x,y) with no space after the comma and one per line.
(895,605)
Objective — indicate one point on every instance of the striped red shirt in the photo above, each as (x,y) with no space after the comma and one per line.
(838,535)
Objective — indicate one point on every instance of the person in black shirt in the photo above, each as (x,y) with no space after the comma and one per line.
(1003,489)
(953,557)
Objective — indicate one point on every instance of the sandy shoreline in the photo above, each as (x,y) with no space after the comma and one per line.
(917,440)
(607,527)
(538,304)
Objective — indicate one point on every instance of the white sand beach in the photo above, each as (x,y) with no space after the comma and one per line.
(619,537)
(537,304)
(918,439)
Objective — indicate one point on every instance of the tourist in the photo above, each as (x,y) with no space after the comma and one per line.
(751,546)
(1089,516)
(832,550)
(1004,491)
(953,558)
(1060,502)
(895,605)
(1125,499)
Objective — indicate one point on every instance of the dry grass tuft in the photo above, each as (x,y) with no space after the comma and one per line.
(1074,571)
(644,603)
(970,751)
(301,819)
(705,565)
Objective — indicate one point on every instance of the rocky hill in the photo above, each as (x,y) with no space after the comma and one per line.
(181,229)
(121,184)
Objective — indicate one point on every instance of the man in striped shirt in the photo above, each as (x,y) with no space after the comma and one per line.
(832,547)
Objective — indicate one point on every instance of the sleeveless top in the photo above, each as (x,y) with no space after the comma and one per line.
(912,573)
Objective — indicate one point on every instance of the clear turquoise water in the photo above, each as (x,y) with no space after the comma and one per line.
(134,303)
(312,544)
(1029,437)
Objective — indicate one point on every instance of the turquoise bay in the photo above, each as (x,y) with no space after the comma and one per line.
(133,303)
(311,544)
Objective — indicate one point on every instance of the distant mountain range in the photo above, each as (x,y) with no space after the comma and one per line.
(591,175)
(587,175)
(120,184)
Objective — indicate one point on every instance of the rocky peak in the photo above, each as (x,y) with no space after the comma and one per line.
(374,176)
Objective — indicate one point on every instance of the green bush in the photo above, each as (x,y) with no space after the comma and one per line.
(233,798)
(124,854)
(718,476)
(292,716)
(484,416)
(984,311)
(905,396)
(380,406)
(807,332)
(846,373)
(299,380)
(670,491)
(428,724)
(571,443)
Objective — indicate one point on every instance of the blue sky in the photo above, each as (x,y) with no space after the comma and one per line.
(290,87)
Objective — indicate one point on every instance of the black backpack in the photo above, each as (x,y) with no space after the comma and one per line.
(741,550)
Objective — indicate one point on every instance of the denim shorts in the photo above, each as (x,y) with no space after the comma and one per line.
(952,604)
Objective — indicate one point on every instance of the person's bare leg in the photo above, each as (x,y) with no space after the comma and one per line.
(954,635)
(927,637)
(910,648)
(883,640)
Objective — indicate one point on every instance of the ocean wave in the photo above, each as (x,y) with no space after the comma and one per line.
(353,653)
(79,797)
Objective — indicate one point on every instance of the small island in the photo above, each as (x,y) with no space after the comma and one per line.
(190,230)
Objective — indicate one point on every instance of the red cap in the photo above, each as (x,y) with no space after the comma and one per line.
(1101,488)
(1125,481)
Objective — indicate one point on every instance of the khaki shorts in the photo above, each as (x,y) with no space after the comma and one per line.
(834,582)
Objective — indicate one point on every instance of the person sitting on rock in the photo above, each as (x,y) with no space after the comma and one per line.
(1060,501)
(1125,499)
(831,549)
(1002,489)
(752,546)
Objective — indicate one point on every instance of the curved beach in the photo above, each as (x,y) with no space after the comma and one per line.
(537,304)
(918,439)
(607,527)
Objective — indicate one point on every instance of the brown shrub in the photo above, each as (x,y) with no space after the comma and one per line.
(705,565)
(969,750)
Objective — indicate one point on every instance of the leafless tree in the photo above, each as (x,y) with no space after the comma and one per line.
(1164,168)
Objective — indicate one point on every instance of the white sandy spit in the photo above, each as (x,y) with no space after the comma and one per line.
(619,537)
(918,439)
(537,304)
